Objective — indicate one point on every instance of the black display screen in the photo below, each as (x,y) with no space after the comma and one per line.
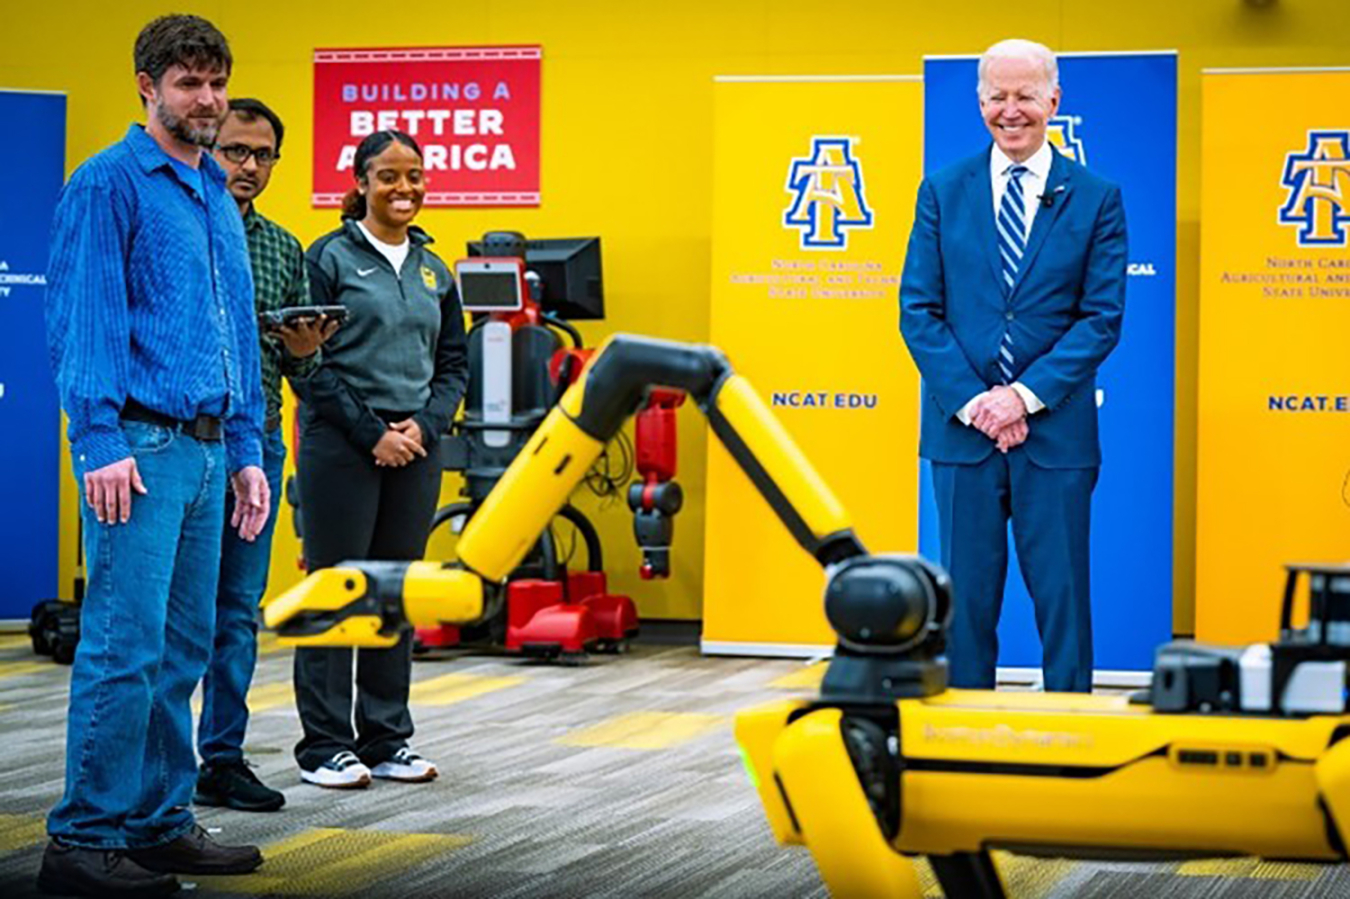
(489,291)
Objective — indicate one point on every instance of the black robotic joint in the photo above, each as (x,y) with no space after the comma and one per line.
(887,604)
(666,497)
(890,614)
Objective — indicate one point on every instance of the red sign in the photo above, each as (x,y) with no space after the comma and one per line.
(473,110)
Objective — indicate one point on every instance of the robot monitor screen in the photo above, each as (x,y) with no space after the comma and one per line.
(570,270)
(490,285)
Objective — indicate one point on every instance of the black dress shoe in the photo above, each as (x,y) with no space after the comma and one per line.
(196,853)
(234,785)
(75,871)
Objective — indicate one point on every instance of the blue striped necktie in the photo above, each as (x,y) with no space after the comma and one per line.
(1012,243)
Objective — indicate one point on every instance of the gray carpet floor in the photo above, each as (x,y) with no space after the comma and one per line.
(616,778)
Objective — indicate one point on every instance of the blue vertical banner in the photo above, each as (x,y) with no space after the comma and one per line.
(30,419)
(1132,505)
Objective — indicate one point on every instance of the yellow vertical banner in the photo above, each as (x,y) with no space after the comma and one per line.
(1273,468)
(813,196)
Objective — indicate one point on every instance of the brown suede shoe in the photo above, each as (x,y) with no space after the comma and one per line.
(196,853)
(75,871)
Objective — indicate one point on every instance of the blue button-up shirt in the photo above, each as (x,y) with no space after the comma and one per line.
(149,298)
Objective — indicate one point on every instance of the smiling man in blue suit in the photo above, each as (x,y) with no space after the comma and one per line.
(1012,297)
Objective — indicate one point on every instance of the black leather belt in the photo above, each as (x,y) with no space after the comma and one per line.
(203,427)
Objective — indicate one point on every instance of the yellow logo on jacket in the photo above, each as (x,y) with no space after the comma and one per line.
(428,278)
(1317,180)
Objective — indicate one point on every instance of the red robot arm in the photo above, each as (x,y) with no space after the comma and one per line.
(657,497)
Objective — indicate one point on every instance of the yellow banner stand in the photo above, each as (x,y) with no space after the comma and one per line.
(1273,474)
(813,195)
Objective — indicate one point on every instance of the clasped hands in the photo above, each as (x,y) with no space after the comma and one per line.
(400,444)
(1001,416)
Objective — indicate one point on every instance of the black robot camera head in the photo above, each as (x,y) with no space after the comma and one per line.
(891,615)
(504,243)
(889,605)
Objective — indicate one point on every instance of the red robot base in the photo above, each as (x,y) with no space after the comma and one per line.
(557,620)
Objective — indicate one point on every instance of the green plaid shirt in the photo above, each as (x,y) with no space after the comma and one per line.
(279,280)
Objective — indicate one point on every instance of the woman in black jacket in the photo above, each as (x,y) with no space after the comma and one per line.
(385,391)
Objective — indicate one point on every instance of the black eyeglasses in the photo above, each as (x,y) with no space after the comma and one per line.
(239,154)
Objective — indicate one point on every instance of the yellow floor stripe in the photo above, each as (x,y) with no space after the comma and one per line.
(396,855)
(331,862)
(270,696)
(261,697)
(21,831)
(1286,871)
(644,730)
(449,689)
(1031,878)
(1217,867)
(1024,877)
(1249,868)
(928,885)
(301,842)
(268,644)
(807,678)
(19,669)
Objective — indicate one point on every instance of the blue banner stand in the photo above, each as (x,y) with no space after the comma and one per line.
(30,417)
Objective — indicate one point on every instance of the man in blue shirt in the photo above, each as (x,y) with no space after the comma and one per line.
(151,330)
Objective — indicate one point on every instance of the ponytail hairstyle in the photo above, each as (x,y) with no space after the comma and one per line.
(354,202)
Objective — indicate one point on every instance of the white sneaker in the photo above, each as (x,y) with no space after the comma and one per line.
(343,771)
(406,766)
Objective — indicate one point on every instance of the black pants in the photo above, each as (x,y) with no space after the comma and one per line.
(355,510)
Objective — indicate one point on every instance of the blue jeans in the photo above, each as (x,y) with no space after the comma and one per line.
(243,580)
(145,640)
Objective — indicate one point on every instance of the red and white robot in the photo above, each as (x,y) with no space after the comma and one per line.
(519,365)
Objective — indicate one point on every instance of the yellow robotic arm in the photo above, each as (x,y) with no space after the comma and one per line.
(362,603)
(890,612)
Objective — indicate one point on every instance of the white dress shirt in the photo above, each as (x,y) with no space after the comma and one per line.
(1034,181)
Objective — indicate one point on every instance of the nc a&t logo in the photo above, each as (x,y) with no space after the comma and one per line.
(827,194)
(1316,180)
(1062,133)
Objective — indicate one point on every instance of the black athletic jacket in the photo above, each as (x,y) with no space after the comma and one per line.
(402,348)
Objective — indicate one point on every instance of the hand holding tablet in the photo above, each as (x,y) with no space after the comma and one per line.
(276,319)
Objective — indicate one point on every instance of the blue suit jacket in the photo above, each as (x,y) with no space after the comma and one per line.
(1064,312)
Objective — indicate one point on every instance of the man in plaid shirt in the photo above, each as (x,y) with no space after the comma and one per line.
(248,146)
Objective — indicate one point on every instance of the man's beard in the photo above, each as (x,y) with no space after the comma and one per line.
(203,135)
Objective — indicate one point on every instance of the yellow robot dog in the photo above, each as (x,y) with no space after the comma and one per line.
(1234,752)
(1240,752)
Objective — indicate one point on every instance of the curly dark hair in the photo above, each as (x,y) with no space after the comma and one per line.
(187,41)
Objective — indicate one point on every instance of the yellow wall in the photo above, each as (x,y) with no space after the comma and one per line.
(626,137)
